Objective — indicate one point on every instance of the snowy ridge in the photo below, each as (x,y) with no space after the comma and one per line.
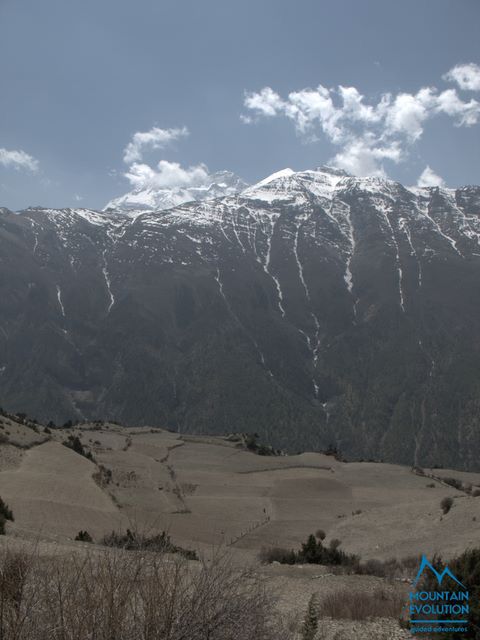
(155,198)
(268,221)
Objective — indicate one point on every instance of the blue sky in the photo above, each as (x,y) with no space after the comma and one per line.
(79,79)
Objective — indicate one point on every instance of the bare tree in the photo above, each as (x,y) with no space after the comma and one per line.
(119,595)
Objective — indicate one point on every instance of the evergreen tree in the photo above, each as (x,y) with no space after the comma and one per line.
(312,550)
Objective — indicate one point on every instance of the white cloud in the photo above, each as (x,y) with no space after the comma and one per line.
(429,178)
(156,138)
(464,113)
(467,76)
(310,107)
(406,114)
(366,132)
(18,160)
(267,102)
(355,109)
(364,156)
(166,175)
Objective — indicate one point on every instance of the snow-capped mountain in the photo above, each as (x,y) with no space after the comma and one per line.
(151,198)
(314,308)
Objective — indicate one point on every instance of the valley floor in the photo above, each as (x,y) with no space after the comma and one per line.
(208,493)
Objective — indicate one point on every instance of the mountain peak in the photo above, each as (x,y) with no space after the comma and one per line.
(334,171)
(294,186)
(153,198)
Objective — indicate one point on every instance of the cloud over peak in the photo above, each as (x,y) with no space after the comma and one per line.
(155,138)
(366,133)
(166,175)
(429,178)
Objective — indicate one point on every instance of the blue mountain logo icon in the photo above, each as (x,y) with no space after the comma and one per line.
(425,564)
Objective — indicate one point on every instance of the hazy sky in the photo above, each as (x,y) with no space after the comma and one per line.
(251,86)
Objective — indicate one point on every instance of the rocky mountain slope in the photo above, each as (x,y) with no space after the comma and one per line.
(315,308)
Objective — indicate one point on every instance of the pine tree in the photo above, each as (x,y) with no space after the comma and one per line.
(310,550)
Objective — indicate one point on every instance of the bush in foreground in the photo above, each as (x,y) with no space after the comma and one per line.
(132,596)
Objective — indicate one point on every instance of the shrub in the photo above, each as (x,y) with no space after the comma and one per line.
(312,552)
(252,444)
(74,443)
(251,441)
(103,476)
(84,536)
(14,570)
(2,525)
(335,544)
(134,541)
(454,482)
(334,451)
(116,595)
(446,504)
(320,534)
